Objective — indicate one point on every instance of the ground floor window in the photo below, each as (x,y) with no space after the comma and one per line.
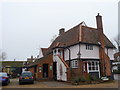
(93,66)
(74,63)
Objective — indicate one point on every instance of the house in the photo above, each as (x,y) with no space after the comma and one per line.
(82,50)
(116,63)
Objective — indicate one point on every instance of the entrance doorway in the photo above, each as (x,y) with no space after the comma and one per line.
(45,70)
(55,70)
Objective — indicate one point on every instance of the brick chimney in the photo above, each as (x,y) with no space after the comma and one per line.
(31,57)
(104,58)
(99,22)
(61,31)
(100,30)
(101,40)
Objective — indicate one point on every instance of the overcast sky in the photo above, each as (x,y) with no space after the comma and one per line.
(27,25)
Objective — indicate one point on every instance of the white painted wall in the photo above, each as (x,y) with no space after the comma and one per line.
(73,50)
(111,53)
(62,77)
(93,54)
(40,53)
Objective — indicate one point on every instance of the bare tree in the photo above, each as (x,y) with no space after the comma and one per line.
(53,38)
(3,56)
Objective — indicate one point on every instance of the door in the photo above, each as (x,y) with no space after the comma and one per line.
(55,70)
(35,72)
(45,70)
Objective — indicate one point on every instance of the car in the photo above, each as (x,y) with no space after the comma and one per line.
(26,77)
(4,78)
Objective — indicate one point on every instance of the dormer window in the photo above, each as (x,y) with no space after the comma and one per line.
(89,47)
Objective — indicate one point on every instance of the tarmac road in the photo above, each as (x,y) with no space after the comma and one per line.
(55,84)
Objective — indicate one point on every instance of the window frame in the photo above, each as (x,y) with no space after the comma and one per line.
(74,63)
(89,47)
(93,66)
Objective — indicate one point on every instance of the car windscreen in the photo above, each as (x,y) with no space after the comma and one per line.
(3,74)
(26,74)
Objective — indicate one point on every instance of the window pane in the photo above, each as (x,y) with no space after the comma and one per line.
(86,46)
(76,63)
(89,63)
(96,68)
(96,63)
(89,68)
(93,68)
(93,63)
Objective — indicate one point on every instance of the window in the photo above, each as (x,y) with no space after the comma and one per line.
(93,65)
(75,64)
(54,52)
(89,47)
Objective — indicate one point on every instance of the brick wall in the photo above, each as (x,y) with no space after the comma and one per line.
(47,60)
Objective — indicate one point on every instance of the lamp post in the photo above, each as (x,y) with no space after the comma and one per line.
(79,64)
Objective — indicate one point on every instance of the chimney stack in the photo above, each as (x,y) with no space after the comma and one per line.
(31,57)
(61,31)
(100,29)
(102,47)
(99,22)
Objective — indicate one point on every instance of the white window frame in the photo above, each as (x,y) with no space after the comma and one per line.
(89,47)
(95,66)
(74,63)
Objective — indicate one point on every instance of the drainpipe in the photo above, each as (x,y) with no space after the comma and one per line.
(80,65)
(69,57)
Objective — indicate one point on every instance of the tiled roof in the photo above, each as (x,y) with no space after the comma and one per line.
(12,63)
(44,50)
(37,61)
(79,33)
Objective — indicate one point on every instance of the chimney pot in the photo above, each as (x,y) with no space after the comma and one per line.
(31,57)
(61,31)
(98,14)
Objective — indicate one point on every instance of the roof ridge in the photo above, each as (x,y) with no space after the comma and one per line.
(90,27)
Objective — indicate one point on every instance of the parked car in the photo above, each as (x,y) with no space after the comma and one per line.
(26,77)
(4,78)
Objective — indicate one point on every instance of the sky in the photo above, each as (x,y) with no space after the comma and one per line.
(27,25)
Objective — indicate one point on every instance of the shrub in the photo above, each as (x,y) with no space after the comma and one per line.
(76,80)
(82,79)
(94,78)
(88,78)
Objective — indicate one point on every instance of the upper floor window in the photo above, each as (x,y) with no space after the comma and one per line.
(55,52)
(89,47)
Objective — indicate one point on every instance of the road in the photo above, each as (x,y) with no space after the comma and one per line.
(55,84)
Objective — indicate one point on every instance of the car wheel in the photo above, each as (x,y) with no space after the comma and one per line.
(33,82)
(7,83)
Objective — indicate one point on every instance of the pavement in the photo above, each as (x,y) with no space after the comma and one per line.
(55,84)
